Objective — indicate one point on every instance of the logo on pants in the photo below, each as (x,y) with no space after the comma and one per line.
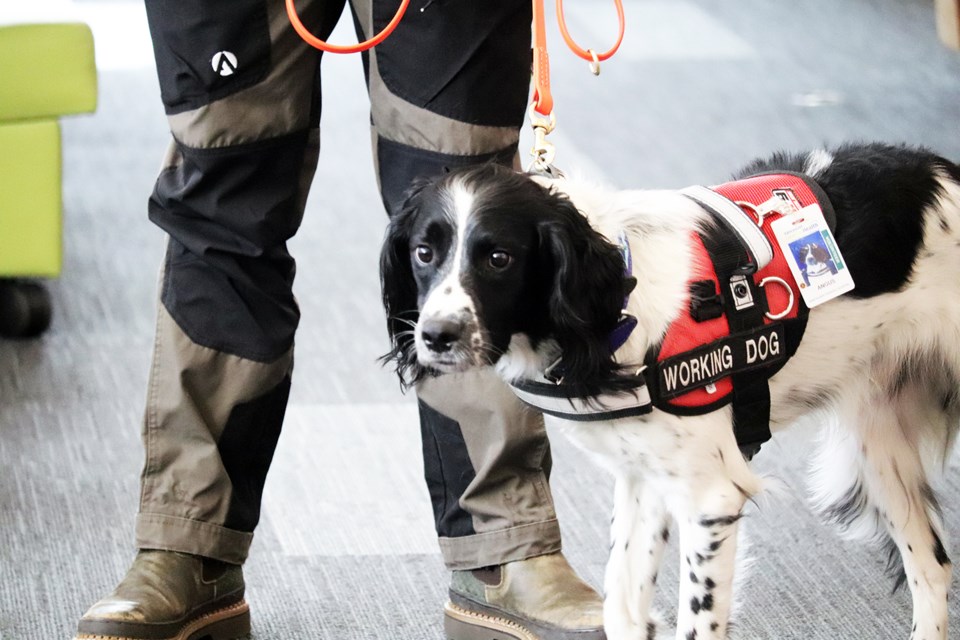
(224,63)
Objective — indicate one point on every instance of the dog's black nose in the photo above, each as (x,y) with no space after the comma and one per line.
(440,334)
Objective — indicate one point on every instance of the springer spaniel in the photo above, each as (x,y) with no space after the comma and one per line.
(486,267)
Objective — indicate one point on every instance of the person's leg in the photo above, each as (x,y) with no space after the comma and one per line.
(486,461)
(241,95)
(450,88)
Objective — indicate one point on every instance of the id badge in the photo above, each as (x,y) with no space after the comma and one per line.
(811,251)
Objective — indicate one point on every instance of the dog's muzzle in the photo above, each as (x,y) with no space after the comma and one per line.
(449,343)
(440,334)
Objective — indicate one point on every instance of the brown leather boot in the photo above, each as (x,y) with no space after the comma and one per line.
(171,596)
(539,598)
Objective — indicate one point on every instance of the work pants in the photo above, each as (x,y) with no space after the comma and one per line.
(242,94)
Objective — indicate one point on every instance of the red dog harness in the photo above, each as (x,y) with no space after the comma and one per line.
(742,320)
(744,316)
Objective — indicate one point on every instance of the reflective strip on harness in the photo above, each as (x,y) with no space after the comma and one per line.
(553,400)
(753,239)
(746,351)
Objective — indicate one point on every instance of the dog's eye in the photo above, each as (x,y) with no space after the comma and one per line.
(500,260)
(424,254)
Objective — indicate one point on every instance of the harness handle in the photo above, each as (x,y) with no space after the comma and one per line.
(317,43)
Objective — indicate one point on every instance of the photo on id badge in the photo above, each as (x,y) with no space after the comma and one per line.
(814,259)
(813,256)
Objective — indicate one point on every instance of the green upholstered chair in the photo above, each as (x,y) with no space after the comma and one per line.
(46,71)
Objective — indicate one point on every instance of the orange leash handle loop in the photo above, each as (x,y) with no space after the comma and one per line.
(588,54)
(317,43)
(542,99)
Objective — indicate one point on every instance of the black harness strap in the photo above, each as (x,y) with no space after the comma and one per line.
(744,305)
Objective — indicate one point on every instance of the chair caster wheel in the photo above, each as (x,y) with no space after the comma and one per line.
(25,309)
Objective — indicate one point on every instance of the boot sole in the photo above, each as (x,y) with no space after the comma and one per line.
(229,623)
(460,624)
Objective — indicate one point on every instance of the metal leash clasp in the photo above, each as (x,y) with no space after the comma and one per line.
(543,151)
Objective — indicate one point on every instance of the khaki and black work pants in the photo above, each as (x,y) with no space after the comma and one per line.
(242,96)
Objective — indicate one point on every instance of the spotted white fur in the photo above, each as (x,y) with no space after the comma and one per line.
(689,468)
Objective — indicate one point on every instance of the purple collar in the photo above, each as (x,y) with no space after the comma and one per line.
(627,323)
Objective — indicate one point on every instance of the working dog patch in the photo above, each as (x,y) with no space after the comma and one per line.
(706,365)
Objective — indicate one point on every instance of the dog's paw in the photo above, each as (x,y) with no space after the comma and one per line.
(620,625)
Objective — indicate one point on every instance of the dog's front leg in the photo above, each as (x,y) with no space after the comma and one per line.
(708,541)
(639,532)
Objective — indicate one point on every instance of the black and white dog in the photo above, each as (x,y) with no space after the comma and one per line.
(489,267)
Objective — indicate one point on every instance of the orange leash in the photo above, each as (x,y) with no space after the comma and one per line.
(542,99)
(541,114)
(589,54)
(541,109)
(317,43)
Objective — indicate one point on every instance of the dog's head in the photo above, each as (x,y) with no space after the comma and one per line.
(813,253)
(485,261)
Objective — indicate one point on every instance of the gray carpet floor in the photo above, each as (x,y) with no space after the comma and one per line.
(345,549)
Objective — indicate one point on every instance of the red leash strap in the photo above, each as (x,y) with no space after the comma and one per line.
(317,43)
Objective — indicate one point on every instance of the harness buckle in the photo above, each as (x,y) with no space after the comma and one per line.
(705,302)
(741,292)
(549,374)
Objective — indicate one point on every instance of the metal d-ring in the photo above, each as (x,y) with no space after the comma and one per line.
(786,286)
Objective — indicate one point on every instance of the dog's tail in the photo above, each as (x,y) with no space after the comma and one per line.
(870,473)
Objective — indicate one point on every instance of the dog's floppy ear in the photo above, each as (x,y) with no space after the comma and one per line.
(586,296)
(398,288)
